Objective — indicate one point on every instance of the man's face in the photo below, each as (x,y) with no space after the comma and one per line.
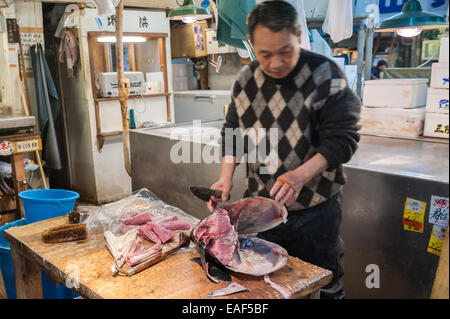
(276,52)
(381,68)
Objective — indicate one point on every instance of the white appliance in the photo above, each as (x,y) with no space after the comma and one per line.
(108,86)
(201,105)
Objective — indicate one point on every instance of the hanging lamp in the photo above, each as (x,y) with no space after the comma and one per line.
(189,12)
(412,20)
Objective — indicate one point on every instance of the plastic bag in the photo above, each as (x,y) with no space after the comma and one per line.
(106,7)
(107,216)
(298,5)
(319,45)
(339,20)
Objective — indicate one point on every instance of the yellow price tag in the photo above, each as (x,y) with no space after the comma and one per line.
(28,146)
(413,215)
(436,240)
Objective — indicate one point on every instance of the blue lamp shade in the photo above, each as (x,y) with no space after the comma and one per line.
(413,20)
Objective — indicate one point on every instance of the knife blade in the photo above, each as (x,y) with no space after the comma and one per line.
(205,193)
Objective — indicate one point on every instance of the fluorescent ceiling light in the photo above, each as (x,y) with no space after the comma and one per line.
(113,39)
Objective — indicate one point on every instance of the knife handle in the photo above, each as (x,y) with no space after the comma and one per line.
(218,194)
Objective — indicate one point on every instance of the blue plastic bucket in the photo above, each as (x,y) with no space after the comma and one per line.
(6,264)
(40,204)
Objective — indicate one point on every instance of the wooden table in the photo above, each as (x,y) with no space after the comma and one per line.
(177,277)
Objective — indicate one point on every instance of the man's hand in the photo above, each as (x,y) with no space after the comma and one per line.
(283,191)
(223,184)
(297,178)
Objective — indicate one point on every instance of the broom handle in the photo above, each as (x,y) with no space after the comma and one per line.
(27,113)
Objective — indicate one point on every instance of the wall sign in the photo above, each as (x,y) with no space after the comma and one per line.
(13,30)
(133,21)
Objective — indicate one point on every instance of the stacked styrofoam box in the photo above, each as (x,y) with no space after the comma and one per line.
(394,107)
(436,118)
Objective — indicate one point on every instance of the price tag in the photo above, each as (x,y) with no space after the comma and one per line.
(436,240)
(28,146)
(413,216)
(439,211)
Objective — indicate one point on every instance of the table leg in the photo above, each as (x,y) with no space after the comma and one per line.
(28,276)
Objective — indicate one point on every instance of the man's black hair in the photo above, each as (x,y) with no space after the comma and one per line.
(276,15)
(381,62)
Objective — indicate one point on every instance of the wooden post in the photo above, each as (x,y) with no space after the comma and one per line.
(124,87)
(27,275)
(18,171)
(441,286)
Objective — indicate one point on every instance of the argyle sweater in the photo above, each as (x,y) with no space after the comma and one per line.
(312,110)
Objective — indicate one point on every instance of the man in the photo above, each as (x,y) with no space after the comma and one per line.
(376,72)
(305,98)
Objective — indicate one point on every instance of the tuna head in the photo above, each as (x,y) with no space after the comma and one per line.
(256,214)
(222,234)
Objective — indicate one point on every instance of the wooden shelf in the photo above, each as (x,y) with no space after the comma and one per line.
(116,98)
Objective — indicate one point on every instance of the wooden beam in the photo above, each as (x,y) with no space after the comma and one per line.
(441,286)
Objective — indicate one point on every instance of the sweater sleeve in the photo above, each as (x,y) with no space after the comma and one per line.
(338,122)
(230,126)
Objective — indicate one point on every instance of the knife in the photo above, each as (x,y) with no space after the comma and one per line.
(205,193)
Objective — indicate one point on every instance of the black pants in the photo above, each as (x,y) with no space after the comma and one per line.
(312,235)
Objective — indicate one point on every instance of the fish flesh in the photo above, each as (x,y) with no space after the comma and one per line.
(156,233)
(140,253)
(180,224)
(120,246)
(228,236)
(285,294)
(138,218)
(231,288)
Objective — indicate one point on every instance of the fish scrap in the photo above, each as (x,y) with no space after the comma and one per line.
(231,288)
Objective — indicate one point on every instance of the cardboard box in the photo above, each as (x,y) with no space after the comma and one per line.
(188,40)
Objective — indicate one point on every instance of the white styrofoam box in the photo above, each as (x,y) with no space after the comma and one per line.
(436,125)
(439,76)
(395,93)
(443,50)
(437,101)
(392,122)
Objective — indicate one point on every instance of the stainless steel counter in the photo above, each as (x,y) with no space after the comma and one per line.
(381,175)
